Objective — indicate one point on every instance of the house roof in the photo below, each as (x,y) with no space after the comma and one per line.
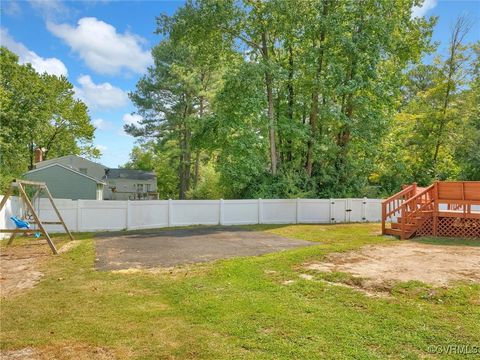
(130,174)
(66,168)
(44,163)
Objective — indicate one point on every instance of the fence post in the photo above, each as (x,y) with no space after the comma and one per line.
(297,208)
(170,213)
(364,209)
(79,216)
(220,216)
(332,212)
(348,210)
(260,210)
(127,225)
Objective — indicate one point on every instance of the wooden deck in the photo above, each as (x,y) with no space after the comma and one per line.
(446,208)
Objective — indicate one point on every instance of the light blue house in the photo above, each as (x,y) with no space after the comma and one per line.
(73,177)
(68,183)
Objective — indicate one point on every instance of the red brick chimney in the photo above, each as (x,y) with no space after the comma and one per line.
(38,155)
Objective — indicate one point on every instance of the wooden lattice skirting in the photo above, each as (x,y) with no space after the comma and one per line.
(451,227)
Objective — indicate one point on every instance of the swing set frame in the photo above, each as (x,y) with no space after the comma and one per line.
(40,187)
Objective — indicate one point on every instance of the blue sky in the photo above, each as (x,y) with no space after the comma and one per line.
(104,47)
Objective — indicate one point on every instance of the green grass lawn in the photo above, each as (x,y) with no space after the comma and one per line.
(237,308)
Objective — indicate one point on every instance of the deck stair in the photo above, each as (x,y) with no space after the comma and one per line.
(441,209)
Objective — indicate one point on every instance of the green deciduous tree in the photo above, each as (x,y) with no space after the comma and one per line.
(38,110)
(467,152)
(315,98)
(174,99)
(435,135)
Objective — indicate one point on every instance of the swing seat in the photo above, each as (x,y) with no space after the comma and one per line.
(20,224)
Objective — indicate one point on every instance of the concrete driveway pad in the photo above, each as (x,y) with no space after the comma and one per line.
(166,248)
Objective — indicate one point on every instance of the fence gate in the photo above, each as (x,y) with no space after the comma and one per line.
(355,210)
(339,210)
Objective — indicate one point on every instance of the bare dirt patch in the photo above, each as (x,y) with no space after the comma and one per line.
(379,265)
(20,265)
(68,351)
(25,354)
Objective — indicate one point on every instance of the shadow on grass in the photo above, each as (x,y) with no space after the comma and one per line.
(59,239)
(448,241)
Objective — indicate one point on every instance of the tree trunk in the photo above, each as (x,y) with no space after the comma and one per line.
(270,112)
(343,136)
(31,154)
(347,108)
(291,100)
(315,96)
(458,33)
(188,159)
(185,159)
(280,134)
(196,171)
(313,131)
(185,155)
(197,168)
(181,168)
(181,185)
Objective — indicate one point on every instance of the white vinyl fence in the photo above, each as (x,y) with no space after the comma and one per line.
(98,215)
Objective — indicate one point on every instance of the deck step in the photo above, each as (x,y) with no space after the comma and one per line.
(394,232)
(407,226)
(398,232)
(416,219)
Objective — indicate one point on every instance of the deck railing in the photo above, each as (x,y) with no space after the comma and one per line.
(391,207)
(415,209)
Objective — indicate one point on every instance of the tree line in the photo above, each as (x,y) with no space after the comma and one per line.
(315,98)
(38,111)
(278,98)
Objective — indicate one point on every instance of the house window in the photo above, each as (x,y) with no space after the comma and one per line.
(148,187)
(83,170)
(139,187)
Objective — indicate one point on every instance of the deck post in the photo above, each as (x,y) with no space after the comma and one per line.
(384,215)
(435,208)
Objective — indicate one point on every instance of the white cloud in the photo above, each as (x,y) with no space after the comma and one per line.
(132,119)
(102,48)
(11,8)
(100,96)
(50,9)
(419,11)
(52,66)
(102,148)
(101,124)
(122,132)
